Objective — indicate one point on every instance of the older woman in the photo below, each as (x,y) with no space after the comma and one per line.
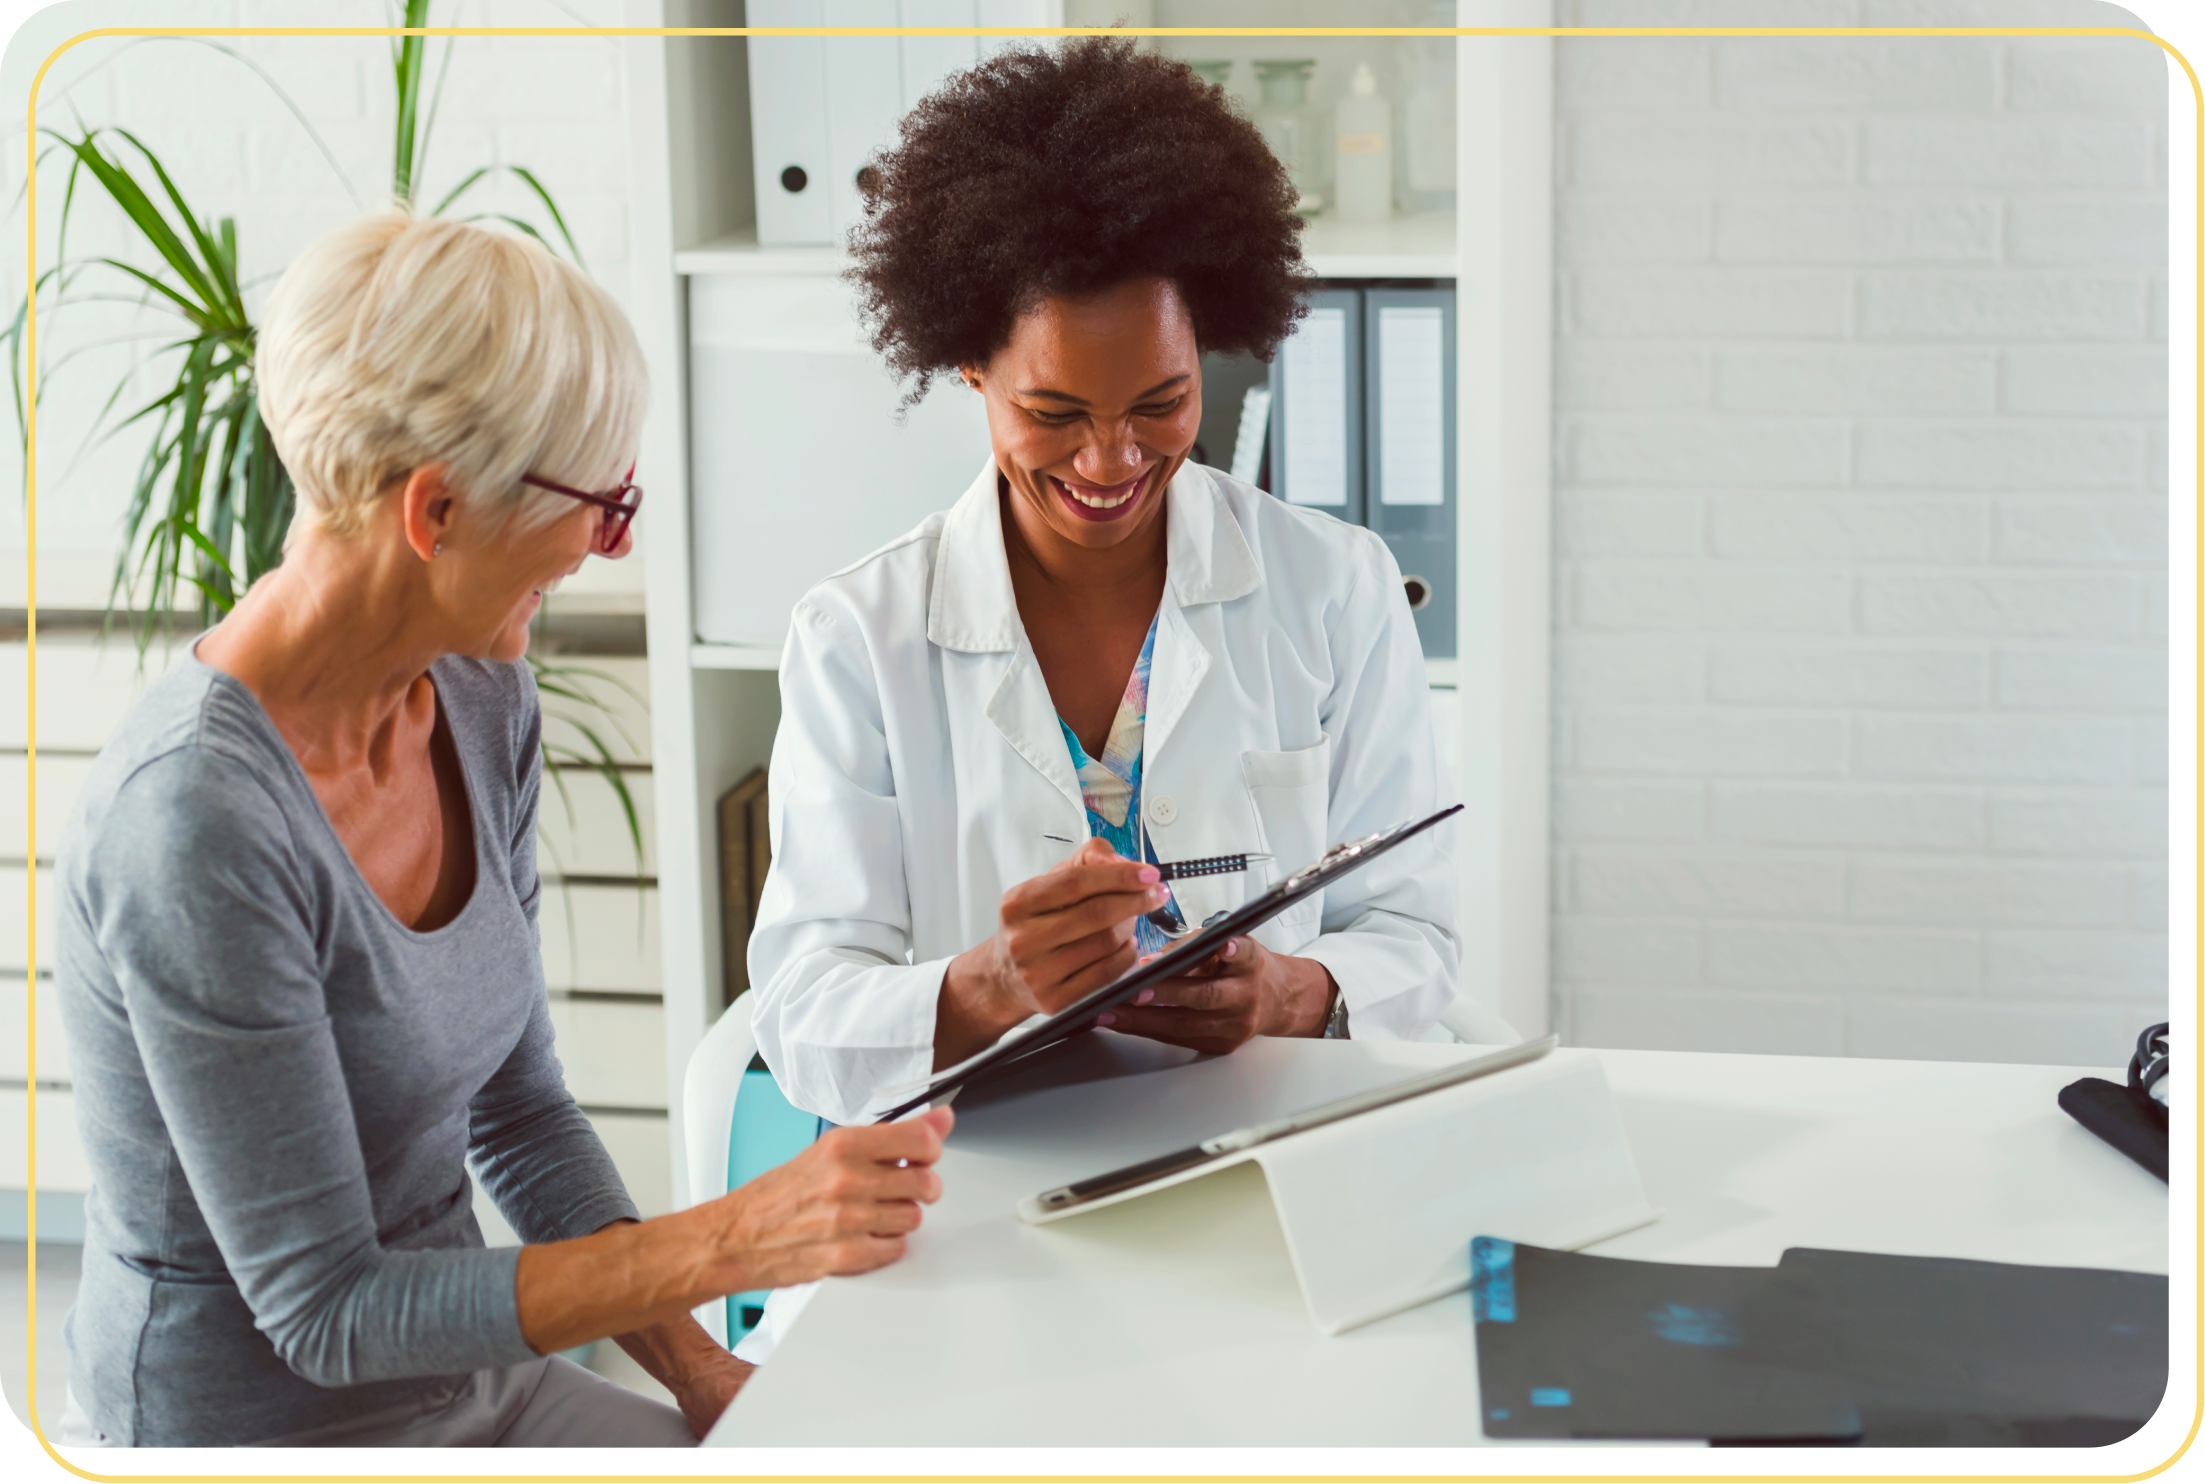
(298,956)
(1103,656)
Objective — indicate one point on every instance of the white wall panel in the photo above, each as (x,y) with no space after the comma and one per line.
(639,1147)
(1859,648)
(15,944)
(15,1033)
(595,841)
(61,1162)
(613,1054)
(60,777)
(614,942)
(83,689)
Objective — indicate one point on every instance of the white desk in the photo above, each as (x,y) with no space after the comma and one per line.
(1175,1320)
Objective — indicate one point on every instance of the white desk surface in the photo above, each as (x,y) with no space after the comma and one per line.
(1176,1320)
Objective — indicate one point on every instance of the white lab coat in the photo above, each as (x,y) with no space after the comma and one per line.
(919,765)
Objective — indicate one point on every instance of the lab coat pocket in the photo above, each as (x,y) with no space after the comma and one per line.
(1291,792)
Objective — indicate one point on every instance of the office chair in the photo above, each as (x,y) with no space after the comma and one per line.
(737,1126)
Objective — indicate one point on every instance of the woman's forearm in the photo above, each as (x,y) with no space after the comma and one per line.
(624,1278)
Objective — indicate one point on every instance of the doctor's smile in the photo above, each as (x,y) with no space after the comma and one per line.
(1090,503)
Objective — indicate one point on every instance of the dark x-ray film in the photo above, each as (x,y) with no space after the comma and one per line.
(1571,1346)
(1941,1351)
(1827,1347)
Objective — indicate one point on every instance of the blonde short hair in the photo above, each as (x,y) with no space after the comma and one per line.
(393,342)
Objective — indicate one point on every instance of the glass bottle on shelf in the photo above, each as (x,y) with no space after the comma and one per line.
(1424,157)
(1217,74)
(1362,167)
(1289,125)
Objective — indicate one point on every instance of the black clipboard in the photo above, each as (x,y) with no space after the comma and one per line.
(1080,1015)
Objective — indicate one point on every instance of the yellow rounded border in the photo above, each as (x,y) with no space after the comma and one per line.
(2197,93)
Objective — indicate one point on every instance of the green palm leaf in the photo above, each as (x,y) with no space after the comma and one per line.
(211,501)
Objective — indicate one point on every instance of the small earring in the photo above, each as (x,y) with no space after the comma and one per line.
(437,550)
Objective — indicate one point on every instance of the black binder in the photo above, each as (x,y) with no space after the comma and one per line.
(1409,448)
(1363,427)
(1317,408)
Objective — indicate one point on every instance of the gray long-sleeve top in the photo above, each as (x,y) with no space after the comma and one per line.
(280,1085)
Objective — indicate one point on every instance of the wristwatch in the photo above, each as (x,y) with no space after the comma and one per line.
(1336,1023)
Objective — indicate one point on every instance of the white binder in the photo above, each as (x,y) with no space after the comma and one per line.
(788,125)
(927,60)
(1378,1209)
(865,99)
(1024,14)
(821,106)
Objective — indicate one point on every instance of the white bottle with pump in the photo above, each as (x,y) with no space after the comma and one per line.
(1362,142)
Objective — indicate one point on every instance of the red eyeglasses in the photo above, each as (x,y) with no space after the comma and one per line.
(619,504)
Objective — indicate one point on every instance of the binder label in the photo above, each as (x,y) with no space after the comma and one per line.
(1316,409)
(1412,426)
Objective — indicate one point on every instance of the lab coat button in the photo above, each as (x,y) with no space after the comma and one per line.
(1161,810)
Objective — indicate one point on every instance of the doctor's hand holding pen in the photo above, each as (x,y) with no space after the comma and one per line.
(1070,930)
(1060,935)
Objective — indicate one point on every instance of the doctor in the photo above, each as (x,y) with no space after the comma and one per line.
(1100,642)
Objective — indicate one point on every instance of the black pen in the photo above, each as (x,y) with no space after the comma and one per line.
(1207,865)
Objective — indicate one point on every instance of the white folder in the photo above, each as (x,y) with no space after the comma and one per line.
(865,100)
(788,126)
(927,60)
(824,105)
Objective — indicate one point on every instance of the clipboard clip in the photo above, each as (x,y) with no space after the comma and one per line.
(1339,854)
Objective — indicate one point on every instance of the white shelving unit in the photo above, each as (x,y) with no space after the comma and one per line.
(1406,247)
(715,705)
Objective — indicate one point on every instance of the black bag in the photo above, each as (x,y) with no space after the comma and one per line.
(2132,1119)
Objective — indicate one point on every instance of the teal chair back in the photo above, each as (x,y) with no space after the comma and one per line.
(765,1131)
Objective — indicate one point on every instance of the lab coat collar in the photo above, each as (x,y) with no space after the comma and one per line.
(972,608)
(1180,662)
(1207,556)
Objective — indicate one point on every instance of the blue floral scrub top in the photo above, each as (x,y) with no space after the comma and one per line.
(1111,784)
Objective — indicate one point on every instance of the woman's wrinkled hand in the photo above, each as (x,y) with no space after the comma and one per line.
(843,1206)
(1241,991)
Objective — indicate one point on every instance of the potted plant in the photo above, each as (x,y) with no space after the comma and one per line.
(211,501)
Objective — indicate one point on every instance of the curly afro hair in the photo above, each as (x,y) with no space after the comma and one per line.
(1064,172)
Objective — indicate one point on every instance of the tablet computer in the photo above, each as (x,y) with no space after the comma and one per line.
(1066,1198)
(1081,1014)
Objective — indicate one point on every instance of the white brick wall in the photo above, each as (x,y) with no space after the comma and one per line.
(555,105)
(1860,664)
